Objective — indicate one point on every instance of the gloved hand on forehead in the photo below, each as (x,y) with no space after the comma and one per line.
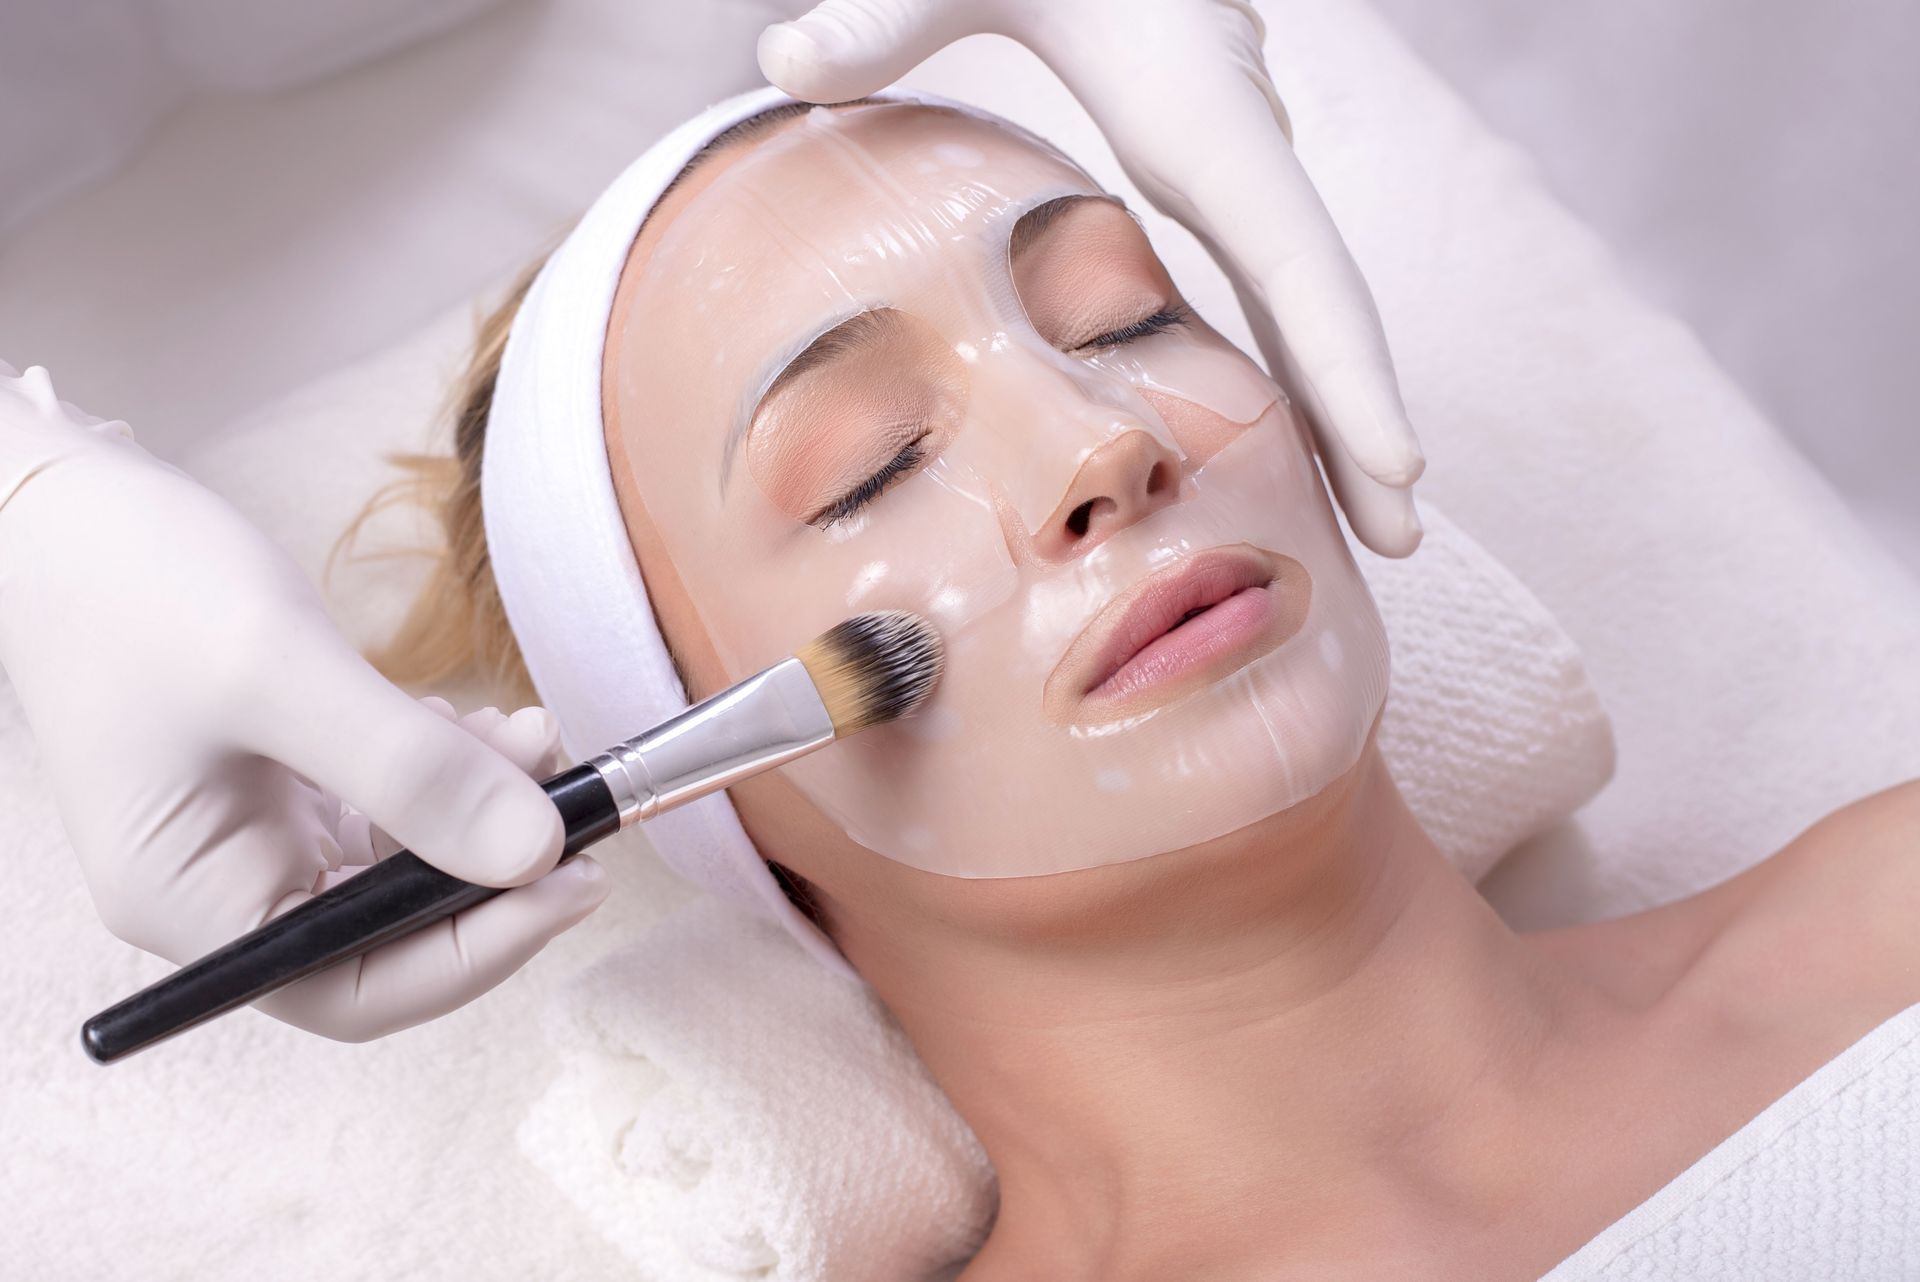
(218,752)
(1155,75)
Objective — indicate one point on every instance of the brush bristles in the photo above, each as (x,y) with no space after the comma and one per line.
(873,668)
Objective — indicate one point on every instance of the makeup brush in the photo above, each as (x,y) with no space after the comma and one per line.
(871,669)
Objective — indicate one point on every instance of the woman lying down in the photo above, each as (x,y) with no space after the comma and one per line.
(1136,882)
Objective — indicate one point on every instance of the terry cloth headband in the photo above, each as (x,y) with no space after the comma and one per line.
(559,548)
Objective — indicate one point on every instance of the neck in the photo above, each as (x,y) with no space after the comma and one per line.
(1330,1018)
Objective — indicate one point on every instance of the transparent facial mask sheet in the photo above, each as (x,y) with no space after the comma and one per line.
(998,775)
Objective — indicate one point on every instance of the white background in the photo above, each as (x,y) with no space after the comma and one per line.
(1756,166)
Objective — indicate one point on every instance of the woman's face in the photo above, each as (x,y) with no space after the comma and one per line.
(893,357)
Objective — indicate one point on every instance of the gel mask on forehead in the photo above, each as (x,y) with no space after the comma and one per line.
(933,452)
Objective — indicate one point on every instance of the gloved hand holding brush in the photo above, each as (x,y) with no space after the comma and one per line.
(217,750)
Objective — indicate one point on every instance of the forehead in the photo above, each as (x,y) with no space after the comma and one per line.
(821,171)
(846,207)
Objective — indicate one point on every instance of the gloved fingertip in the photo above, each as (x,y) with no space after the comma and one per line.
(1385,448)
(817,61)
(434,703)
(1395,530)
(515,835)
(483,723)
(37,383)
(538,722)
(591,878)
(1401,470)
(787,54)
(565,896)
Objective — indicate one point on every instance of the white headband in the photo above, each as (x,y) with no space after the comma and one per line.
(560,550)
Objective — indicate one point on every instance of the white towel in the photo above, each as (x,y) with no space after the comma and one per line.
(726,1111)
(1823,1184)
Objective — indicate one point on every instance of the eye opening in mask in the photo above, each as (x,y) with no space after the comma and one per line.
(892,416)
(912,454)
(867,401)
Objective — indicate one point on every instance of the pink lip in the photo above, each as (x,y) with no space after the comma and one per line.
(1187,625)
(1227,623)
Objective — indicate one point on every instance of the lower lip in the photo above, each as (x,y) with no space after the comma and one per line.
(1218,634)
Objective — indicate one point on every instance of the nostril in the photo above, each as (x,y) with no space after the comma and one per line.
(1122,493)
(1080,518)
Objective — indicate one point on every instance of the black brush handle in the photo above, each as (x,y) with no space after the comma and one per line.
(396,896)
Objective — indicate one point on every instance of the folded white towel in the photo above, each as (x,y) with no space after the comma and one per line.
(1492,729)
(1823,1184)
(727,1111)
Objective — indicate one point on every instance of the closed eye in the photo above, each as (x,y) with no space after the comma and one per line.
(1168,317)
(912,454)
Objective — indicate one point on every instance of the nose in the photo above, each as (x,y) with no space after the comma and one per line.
(1127,478)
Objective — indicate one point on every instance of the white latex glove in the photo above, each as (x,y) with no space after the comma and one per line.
(1181,91)
(200,721)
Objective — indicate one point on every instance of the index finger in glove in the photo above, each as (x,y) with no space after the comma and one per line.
(530,739)
(446,795)
(842,49)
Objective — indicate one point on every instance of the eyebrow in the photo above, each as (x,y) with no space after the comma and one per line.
(1033,224)
(844,336)
(851,333)
(844,339)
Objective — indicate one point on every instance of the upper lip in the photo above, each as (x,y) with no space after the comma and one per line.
(1145,611)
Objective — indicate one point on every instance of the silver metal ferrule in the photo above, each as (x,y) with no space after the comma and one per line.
(770,718)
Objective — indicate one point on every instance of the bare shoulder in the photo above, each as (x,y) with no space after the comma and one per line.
(1830,924)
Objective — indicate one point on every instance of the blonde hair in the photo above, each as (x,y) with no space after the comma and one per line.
(456,625)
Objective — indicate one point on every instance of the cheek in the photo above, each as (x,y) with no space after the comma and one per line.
(666,590)
(787,828)
(1201,432)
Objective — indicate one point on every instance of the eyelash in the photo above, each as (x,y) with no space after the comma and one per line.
(911,454)
(1161,321)
(870,489)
